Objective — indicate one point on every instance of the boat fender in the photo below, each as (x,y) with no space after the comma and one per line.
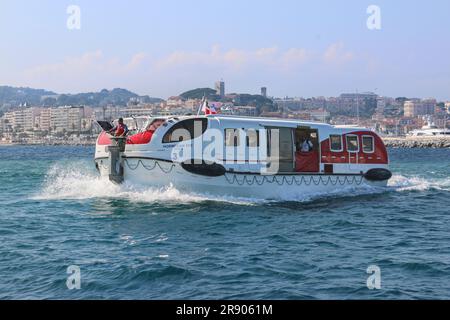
(204,169)
(379,174)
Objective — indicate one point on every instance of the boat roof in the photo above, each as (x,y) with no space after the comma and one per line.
(293,123)
(267,121)
(246,121)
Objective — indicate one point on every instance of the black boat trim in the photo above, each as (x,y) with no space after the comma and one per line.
(204,169)
(378,174)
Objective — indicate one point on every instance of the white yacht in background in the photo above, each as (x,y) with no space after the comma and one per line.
(430,130)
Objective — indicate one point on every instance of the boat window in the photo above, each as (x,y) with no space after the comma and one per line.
(252,138)
(186,130)
(232,137)
(336,143)
(140,122)
(352,143)
(368,144)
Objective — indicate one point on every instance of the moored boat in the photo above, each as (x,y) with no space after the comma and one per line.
(243,156)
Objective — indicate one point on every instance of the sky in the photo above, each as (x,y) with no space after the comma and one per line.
(163,48)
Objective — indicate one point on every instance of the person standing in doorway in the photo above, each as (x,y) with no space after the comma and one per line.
(306,145)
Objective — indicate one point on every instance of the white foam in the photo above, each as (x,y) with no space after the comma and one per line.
(415,183)
(75,181)
(71,182)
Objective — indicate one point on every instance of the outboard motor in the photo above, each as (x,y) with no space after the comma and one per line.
(115,159)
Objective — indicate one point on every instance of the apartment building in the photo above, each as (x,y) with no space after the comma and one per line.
(66,118)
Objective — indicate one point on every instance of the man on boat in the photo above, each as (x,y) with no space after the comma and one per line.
(120,130)
(307,145)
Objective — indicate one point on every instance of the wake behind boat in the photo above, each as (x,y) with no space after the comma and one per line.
(242,156)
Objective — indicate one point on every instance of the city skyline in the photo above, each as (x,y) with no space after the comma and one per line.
(165,48)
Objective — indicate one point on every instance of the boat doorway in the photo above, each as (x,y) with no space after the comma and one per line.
(307,146)
(281,149)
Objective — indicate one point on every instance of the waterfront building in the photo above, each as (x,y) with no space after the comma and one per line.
(264,92)
(8,119)
(320,115)
(175,101)
(409,109)
(22,119)
(358,96)
(249,111)
(428,106)
(136,111)
(417,107)
(381,106)
(193,104)
(289,103)
(107,113)
(220,88)
(66,118)
(42,121)
(175,111)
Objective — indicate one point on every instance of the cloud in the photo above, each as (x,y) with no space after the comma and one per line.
(136,61)
(337,55)
(232,59)
(178,70)
(236,59)
(88,62)
(295,58)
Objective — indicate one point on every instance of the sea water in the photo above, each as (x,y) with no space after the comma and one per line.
(130,242)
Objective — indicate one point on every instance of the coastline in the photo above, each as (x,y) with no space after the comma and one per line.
(58,144)
(417,142)
(391,142)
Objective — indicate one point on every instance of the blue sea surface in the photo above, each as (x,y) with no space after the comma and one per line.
(134,243)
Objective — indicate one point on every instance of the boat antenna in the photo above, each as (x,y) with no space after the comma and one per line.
(201,105)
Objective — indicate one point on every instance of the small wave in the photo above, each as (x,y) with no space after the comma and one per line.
(402,183)
(74,182)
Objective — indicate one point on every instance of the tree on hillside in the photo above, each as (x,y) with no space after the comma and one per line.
(199,93)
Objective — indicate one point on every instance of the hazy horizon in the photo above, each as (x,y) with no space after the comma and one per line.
(163,48)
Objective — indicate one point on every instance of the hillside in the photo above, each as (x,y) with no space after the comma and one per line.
(199,93)
(261,103)
(17,96)
(11,97)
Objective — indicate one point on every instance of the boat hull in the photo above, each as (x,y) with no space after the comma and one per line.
(161,174)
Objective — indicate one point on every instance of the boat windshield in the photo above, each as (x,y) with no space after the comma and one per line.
(134,124)
(141,123)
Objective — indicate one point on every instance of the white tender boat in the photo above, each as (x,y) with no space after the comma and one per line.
(430,130)
(242,156)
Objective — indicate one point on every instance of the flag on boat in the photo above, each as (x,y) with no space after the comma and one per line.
(206,109)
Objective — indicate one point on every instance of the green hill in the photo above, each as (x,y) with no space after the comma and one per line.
(16,96)
(11,97)
(199,93)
